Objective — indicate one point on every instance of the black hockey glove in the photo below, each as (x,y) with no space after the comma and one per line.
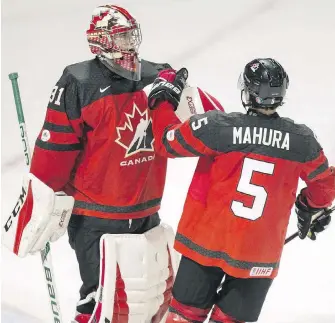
(168,86)
(305,215)
(319,225)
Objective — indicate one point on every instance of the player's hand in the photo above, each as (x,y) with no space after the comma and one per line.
(305,215)
(168,86)
(318,226)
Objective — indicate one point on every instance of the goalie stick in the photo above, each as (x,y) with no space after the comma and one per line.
(46,252)
(316,218)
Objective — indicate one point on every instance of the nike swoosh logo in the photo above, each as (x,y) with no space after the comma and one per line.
(103,90)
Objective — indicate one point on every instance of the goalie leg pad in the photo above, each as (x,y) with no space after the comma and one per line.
(136,277)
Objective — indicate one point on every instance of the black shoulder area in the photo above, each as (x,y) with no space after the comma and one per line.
(298,128)
(272,136)
(307,138)
(93,80)
(217,118)
(221,118)
(87,78)
(83,72)
(150,70)
(214,128)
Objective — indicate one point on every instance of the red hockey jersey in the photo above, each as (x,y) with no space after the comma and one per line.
(237,219)
(96,143)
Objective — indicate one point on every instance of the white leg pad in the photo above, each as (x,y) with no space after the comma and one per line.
(136,276)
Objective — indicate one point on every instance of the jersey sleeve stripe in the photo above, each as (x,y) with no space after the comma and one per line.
(185,145)
(170,150)
(58,147)
(323,167)
(167,145)
(59,108)
(58,117)
(57,128)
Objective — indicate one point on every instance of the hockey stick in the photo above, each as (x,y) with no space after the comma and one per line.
(46,252)
(325,212)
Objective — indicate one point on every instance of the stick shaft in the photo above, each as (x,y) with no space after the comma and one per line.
(46,252)
(20,116)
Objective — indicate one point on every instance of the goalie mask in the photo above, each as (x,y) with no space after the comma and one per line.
(263,84)
(115,36)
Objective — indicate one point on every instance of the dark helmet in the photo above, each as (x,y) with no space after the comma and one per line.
(263,84)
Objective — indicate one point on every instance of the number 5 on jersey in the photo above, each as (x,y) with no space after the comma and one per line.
(258,192)
(200,122)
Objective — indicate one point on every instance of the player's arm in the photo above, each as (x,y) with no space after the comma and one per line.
(320,180)
(172,137)
(319,192)
(59,141)
(191,138)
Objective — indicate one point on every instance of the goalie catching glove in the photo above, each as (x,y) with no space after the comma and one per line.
(40,215)
(307,226)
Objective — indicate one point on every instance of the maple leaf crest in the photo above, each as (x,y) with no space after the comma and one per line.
(136,134)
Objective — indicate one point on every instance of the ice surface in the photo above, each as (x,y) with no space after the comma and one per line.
(213,39)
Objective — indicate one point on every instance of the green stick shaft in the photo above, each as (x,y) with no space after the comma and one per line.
(46,252)
(13,77)
(20,116)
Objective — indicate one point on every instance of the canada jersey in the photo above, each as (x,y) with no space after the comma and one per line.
(242,223)
(97,143)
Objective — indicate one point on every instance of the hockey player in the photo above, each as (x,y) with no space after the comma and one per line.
(233,225)
(87,148)
(96,145)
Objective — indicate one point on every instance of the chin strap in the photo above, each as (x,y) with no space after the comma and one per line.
(245,105)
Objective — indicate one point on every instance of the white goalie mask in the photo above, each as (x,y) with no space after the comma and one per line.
(115,37)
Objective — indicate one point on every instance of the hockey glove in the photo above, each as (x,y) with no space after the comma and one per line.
(168,86)
(319,225)
(305,215)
